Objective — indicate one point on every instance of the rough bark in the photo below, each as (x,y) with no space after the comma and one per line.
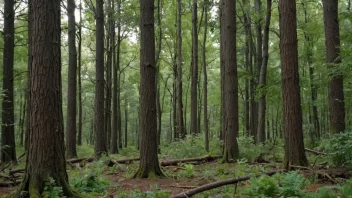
(149,165)
(115,101)
(46,151)
(158,84)
(292,112)
(29,65)
(333,59)
(194,70)
(180,122)
(230,81)
(100,146)
(205,81)
(262,77)
(8,145)
(80,109)
(71,129)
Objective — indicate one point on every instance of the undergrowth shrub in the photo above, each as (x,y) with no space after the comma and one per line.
(248,149)
(339,149)
(51,190)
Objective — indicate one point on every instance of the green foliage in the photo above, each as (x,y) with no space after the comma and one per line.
(51,190)
(339,148)
(147,194)
(292,185)
(264,186)
(248,149)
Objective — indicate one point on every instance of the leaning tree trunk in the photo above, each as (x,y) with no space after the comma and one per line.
(194,70)
(46,150)
(262,77)
(71,129)
(149,164)
(100,146)
(8,150)
(293,132)
(230,81)
(333,59)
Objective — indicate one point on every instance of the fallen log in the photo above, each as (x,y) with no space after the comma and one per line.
(10,183)
(78,160)
(112,162)
(315,152)
(207,158)
(217,184)
(14,171)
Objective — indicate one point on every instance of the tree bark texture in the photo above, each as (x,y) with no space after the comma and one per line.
(180,122)
(149,164)
(230,81)
(71,129)
(100,146)
(46,151)
(80,110)
(8,145)
(333,59)
(292,112)
(205,80)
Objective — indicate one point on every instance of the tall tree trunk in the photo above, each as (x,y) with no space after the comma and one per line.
(194,100)
(8,145)
(262,77)
(115,101)
(333,59)
(294,145)
(230,95)
(23,119)
(159,43)
(205,81)
(126,120)
(110,46)
(149,164)
(29,66)
(46,151)
(180,123)
(100,146)
(80,110)
(71,129)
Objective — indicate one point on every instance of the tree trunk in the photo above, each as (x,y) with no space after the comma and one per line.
(126,120)
(159,43)
(71,129)
(294,145)
(100,146)
(23,119)
(8,145)
(181,127)
(115,102)
(333,59)
(29,66)
(194,101)
(46,151)
(149,164)
(262,77)
(230,95)
(205,81)
(80,111)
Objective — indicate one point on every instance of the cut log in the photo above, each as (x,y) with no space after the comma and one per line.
(315,152)
(207,158)
(213,185)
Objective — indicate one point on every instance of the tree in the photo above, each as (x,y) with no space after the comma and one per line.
(149,164)
(8,146)
(100,135)
(262,77)
(181,127)
(205,81)
(194,85)
(71,129)
(294,145)
(333,59)
(230,81)
(80,107)
(46,151)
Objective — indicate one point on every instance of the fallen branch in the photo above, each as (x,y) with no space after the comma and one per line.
(14,171)
(10,183)
(207,158)
(219,184)
(78,160)
(315,152)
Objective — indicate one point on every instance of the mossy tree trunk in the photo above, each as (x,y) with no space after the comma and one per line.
(149,164)
(46,151)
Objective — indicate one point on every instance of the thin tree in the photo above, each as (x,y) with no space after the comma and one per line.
(194,70)
(71,129)
(80,111)
(46,150)
(292,112)
(333,59)
(230,81)
(8,145)
(180,122)
(205,81)
(100,135)
(149,164)
(262,76)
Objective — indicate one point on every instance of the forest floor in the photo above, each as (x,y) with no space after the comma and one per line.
(105,179)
